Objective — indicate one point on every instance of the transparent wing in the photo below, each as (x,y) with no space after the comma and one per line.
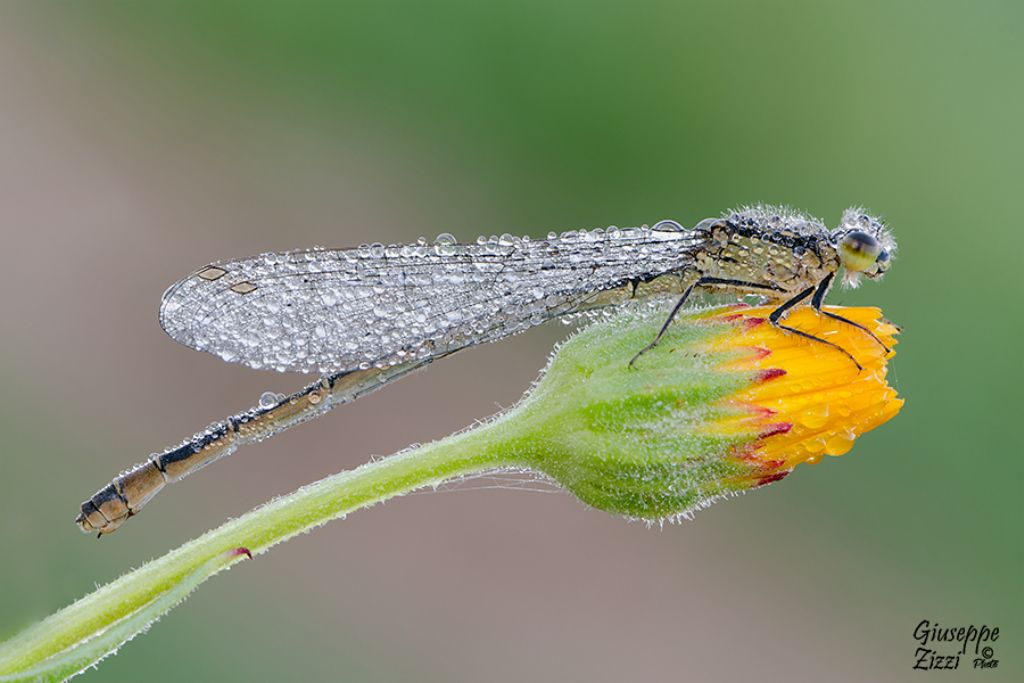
(332,310)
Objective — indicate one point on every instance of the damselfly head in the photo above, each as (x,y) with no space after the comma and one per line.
(864,245)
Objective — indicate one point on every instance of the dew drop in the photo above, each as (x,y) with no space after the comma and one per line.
(268,399)
(815,446)
(838,444)
(815,417)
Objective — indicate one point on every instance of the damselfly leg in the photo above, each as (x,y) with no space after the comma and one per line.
(664,327)
(817,294)
(702,282)
(775,318)
(818,300)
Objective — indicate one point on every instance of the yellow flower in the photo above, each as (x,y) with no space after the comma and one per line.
(811,400)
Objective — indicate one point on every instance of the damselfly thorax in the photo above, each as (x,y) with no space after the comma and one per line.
(362,317)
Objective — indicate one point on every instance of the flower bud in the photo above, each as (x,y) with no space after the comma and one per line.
(725,403)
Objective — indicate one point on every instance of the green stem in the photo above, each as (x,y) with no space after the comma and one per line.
(76,659)
(469,452)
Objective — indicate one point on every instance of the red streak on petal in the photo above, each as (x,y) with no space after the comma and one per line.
(747,451)
(770,374)
(756,408)
(718,315)
(748,323)
(760,352)
(778,476)
(776,428)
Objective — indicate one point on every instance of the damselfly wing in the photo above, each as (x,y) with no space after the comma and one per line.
(328,311)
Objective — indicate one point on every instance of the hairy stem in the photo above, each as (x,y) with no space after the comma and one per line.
(335,496)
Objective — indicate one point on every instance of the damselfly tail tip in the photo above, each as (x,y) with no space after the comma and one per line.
(83,520)
(105,512)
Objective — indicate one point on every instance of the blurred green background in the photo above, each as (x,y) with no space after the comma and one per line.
(141,140)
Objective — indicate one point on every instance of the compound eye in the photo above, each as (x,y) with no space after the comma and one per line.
(858,250)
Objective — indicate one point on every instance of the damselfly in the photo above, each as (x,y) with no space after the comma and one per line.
(362,317)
